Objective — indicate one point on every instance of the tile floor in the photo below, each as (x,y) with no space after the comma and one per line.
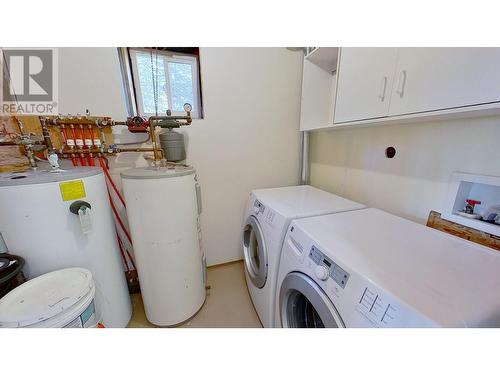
(228,304)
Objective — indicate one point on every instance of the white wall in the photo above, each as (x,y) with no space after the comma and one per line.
(89,78)
(352,162)
(248,138)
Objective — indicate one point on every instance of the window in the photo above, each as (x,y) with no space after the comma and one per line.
(176,76)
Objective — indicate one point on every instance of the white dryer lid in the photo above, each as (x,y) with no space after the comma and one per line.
(44,297)
(303,201)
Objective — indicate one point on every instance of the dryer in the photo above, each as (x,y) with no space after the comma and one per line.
(368,268)
(268,215)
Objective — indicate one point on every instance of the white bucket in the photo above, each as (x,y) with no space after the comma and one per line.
(63,298)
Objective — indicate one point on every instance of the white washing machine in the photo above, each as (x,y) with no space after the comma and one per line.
(268,214)
(368,268)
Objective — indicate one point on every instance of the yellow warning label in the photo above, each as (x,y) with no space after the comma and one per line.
(72,190)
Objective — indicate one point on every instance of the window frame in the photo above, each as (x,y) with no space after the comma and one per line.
(168,57)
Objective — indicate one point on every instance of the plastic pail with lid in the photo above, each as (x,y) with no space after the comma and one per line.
(62,298)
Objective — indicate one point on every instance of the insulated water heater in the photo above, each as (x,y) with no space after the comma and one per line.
(61,219)
(163,207)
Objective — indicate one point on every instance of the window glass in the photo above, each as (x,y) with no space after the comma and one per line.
(178,81)
(181,85)
(146,69)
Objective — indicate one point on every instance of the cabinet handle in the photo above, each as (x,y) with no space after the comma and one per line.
(384,88)
(402,84)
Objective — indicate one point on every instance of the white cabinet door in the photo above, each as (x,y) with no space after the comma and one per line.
(365,80)
(429,79)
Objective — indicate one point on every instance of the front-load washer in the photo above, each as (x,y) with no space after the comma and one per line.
(268,214)
(368,268)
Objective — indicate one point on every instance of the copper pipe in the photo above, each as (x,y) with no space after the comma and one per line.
(79,139)
(62,132)
(97,121)
(12,143)
(153,139)
(188,118)
(91,135)
(114,152)
(20,126)
(83,152)
(46,136)
(138,149)
(103,137)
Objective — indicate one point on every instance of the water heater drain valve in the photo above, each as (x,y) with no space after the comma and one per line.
(82,209)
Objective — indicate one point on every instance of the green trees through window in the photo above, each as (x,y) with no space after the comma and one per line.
(177,79)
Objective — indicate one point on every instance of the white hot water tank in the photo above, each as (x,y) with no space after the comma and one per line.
(163,206)
(37,224)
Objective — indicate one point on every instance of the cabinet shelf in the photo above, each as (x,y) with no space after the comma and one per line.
(324,57)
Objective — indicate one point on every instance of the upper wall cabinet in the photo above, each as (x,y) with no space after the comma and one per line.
(365,80)
(378,85)
(383,84)
(430,79)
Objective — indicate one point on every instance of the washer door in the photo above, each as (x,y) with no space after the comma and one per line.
(254,249)
(303,304)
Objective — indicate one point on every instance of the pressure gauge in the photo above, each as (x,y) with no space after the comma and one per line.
(188,107)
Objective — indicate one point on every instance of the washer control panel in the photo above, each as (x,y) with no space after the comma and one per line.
(334,271)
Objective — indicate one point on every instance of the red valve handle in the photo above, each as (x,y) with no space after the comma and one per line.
(473,202)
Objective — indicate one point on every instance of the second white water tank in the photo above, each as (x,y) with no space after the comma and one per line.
(163,205)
